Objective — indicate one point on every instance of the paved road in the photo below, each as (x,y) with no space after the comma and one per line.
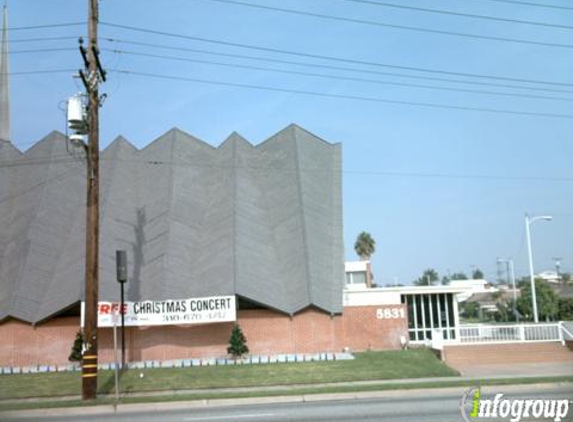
(416,406)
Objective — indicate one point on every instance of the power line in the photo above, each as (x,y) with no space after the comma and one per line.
(333,58)
(26,191)
(390,25)
(64,158)
(330,67)
(344,78)
(43,50)
(54,25)
(526,3)
(21,40)
(348,97)
(41,72)
(460,14)
(37,161)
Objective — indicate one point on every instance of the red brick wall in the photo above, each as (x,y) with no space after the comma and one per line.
(267,332)
(46,344)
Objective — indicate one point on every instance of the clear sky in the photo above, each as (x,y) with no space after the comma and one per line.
(439,188)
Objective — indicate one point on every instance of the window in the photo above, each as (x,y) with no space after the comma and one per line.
(429,311)
(356,277)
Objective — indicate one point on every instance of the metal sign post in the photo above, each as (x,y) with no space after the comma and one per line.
(116,363)
(121,267)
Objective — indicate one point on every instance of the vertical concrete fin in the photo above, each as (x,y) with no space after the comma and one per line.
(4,82)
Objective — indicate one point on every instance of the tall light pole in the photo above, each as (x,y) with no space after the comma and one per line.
(528,222)
(509,263)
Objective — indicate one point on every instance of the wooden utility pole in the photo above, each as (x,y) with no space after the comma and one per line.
(90,359)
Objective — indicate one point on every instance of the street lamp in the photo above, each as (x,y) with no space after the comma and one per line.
(511,271)
(528,222)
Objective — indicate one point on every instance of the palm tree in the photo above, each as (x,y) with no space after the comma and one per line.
(428,278)
(365,246)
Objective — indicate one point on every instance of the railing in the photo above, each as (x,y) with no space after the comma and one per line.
(567,329)
(515,333)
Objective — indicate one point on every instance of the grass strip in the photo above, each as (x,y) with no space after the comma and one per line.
(368,366)
(45,404)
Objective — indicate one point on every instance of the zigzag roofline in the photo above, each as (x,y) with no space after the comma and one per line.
(161,138)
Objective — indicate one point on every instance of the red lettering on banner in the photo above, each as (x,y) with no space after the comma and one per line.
(104,309)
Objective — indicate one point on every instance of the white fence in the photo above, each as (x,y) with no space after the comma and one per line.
(514,333)
(567,328)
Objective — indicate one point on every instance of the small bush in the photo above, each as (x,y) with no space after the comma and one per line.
(237,343)
(76,354)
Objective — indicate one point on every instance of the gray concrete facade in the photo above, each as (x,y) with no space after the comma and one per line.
(263,222)
(4,82)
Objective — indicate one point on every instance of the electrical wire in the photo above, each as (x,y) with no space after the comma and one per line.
(54,25)
(43,50)
(37,161)
(21,40)
(390,25)
(459,14)
(348,97)
(65,158)
(527,3)
(330,67)
(26,191)
(40,72)
(344,78)
(333,58)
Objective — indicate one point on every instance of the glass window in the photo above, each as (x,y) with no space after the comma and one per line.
(427,314)
(435,311)
(356,277)
(411,320)
(443,312)
(418,305)
(451,320)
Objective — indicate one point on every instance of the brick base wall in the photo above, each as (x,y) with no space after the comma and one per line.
(506,354)
(267,332)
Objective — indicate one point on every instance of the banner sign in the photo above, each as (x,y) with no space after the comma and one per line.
(167,312)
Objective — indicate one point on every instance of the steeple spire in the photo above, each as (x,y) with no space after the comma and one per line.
(4,82)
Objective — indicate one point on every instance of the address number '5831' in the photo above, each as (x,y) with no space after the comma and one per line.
(390,313)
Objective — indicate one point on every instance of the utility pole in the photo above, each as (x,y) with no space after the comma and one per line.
(91,81)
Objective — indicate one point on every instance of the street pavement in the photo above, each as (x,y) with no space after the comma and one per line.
(433,405)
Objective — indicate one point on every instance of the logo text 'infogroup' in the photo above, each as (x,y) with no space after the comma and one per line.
(474,407)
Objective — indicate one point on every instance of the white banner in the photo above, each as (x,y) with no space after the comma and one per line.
(167,312)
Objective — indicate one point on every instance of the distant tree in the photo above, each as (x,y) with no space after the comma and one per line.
(565,309)
(429,277)
(470,310)
(237,342)
(445,280)
(365,246)
(547,301)
(477,274)
(458,276)
(76,353)
(566,277)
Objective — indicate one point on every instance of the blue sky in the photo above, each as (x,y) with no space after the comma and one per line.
(436,187)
